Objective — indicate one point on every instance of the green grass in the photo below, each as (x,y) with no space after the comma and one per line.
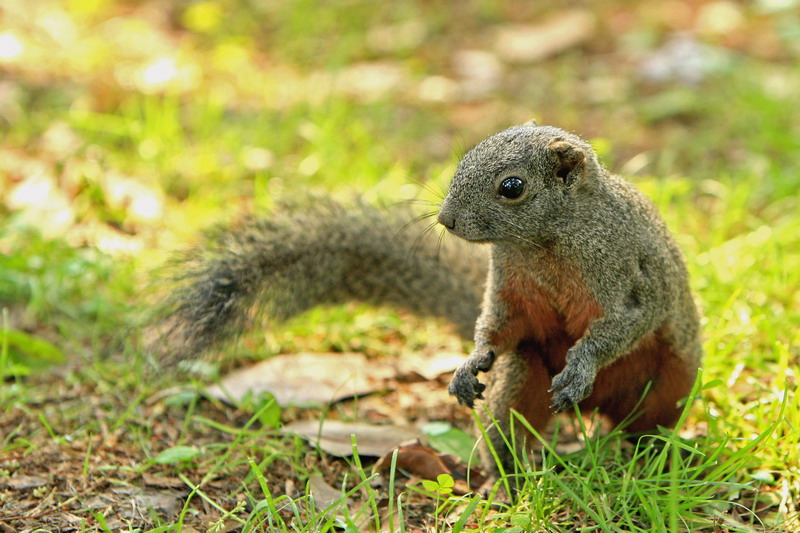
(261,113)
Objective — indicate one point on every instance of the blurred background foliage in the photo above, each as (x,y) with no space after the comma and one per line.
(127,126)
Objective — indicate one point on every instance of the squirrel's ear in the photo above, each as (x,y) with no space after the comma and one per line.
(531,123)
(571,160)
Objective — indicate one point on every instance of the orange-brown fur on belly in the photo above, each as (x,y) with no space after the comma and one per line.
(537,313)
(544,324)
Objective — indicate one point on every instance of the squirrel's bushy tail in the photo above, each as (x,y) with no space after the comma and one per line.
(322,254)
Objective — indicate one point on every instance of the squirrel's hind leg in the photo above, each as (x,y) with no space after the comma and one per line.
(670,379)
(518,381)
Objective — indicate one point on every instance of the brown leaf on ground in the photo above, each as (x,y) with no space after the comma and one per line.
(324,494)
(416,460)
(23,482)
(305,379)
(465,475)
(163,482)
(421,462)
(168,502)
(427,366)
(334,436)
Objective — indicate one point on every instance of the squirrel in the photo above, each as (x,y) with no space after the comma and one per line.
(583,299)
(587,299)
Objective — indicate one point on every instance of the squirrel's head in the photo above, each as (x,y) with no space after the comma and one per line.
(514,184)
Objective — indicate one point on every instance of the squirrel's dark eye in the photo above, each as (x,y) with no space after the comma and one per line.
(511,187)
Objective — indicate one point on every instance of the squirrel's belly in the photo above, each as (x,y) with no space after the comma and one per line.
(543,314)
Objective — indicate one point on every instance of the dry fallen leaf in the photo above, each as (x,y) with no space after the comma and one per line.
(24,482)
(163,482)
(531,43)
(429,367)
(416,460)
(305,379)
(168,502)
(425,463)
(324,494)
(334,436)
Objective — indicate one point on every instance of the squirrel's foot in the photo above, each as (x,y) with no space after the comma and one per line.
(572,385)
(465,385)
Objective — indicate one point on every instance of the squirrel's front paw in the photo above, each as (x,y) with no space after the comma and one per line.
(465,386)
(572,385)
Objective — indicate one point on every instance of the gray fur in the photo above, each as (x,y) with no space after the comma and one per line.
(325,253)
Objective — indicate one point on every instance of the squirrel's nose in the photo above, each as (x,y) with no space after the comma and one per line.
(447,220)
